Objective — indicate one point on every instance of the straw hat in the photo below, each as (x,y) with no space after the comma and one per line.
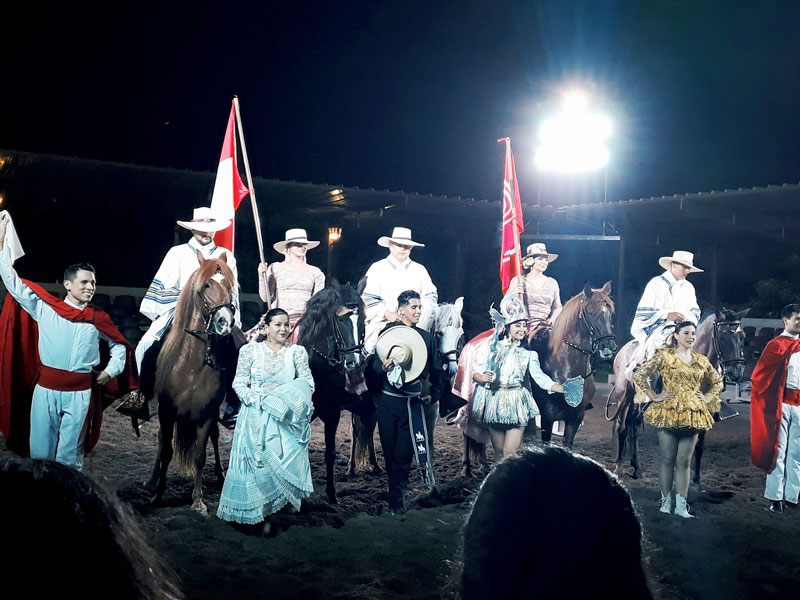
(400,235)
(206,220)
(294,236)
(682,257)
(539,249)
(406,347)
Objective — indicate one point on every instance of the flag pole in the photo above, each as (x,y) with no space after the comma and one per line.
(251,188)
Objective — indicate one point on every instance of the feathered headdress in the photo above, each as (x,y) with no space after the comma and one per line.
(512,309)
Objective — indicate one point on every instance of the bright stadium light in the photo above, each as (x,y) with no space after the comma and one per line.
(573,141)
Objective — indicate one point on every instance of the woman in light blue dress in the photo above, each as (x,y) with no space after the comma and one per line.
(501,399)
(269,465)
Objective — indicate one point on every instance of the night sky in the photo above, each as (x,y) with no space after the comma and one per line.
(409,95)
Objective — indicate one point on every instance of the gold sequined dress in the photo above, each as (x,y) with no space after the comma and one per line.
(684,410)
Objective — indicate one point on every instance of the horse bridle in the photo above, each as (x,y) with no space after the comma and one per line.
(341,349)
(208,329)
(594,339)
(718,352)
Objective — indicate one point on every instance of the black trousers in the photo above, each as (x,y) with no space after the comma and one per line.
(395,437)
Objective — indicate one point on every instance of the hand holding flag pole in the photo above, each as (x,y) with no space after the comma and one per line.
(252,190)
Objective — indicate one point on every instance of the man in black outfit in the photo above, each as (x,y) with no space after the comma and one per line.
(396,404)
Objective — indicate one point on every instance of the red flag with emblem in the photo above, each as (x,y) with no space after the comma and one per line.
(510,257)
(229,189)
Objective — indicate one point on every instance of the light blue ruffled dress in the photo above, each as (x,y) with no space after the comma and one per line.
(507,401)
(269,465)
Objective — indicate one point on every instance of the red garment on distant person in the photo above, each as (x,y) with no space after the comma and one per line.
(20,367)
(766,400)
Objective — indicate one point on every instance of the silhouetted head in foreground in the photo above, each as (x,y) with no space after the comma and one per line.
(64,535)
(552,524)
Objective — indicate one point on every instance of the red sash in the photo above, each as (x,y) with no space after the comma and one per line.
(791,396)
(64,381)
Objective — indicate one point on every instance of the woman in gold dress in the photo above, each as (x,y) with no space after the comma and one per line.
(681,411)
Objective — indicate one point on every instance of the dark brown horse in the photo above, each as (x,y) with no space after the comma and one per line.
(719,337)
(194,367)
(332,332)
(582,330)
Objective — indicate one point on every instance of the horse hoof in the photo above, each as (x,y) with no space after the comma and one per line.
(636,474)
(698,487)
(149,486)
(332,497)
(376,470)
(157,502)
(200,507)
(466,472)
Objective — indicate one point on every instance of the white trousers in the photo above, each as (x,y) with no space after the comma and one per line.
(57,425)
(152,335)
(783,483)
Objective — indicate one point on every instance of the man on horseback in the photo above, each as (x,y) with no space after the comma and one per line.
(667,299)
(161,298)
(67,335)
(390,276)
(412,380)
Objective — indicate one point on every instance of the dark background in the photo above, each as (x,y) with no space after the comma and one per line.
(406,96)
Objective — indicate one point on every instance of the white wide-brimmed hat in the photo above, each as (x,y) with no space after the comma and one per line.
(400,235)
(295,236)
(206,220)
(539,249)
(682,257)
(406,347)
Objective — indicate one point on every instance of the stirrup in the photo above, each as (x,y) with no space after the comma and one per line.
(135,405)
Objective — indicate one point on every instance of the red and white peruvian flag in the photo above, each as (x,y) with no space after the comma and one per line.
(510,259)
(229,189)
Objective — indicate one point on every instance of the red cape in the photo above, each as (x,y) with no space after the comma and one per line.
(766,399)
(20,365)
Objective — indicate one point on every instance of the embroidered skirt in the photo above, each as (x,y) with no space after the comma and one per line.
(503,406)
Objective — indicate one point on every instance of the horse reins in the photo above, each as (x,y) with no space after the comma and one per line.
(208,329)
(594,342)
(340,347)
(716,346)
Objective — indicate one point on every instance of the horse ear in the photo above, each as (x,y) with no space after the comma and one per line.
(362,283)
(200,258)
(742,314)
(459,304)
(587,291)
(224,257)
(720,314)
(606,289)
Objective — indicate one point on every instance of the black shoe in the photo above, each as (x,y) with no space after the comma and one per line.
(775,506)
(790,505)
(229,418)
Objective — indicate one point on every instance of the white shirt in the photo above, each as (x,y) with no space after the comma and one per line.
(63,344)
(175,270)
(386,280)
(793,368)
(662,295)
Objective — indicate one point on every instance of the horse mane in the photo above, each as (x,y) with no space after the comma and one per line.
(711,311)
(316,324)
(184,313)
(443,314)
(570,312)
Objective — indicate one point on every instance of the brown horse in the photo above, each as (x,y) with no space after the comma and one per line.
(719,337)
(193,369)
(582,330)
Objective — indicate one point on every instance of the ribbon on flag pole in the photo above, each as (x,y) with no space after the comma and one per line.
(513,225)
(229,189)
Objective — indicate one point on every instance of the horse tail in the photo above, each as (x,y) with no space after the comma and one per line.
(184,446)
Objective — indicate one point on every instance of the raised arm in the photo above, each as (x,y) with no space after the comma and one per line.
(29,301)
